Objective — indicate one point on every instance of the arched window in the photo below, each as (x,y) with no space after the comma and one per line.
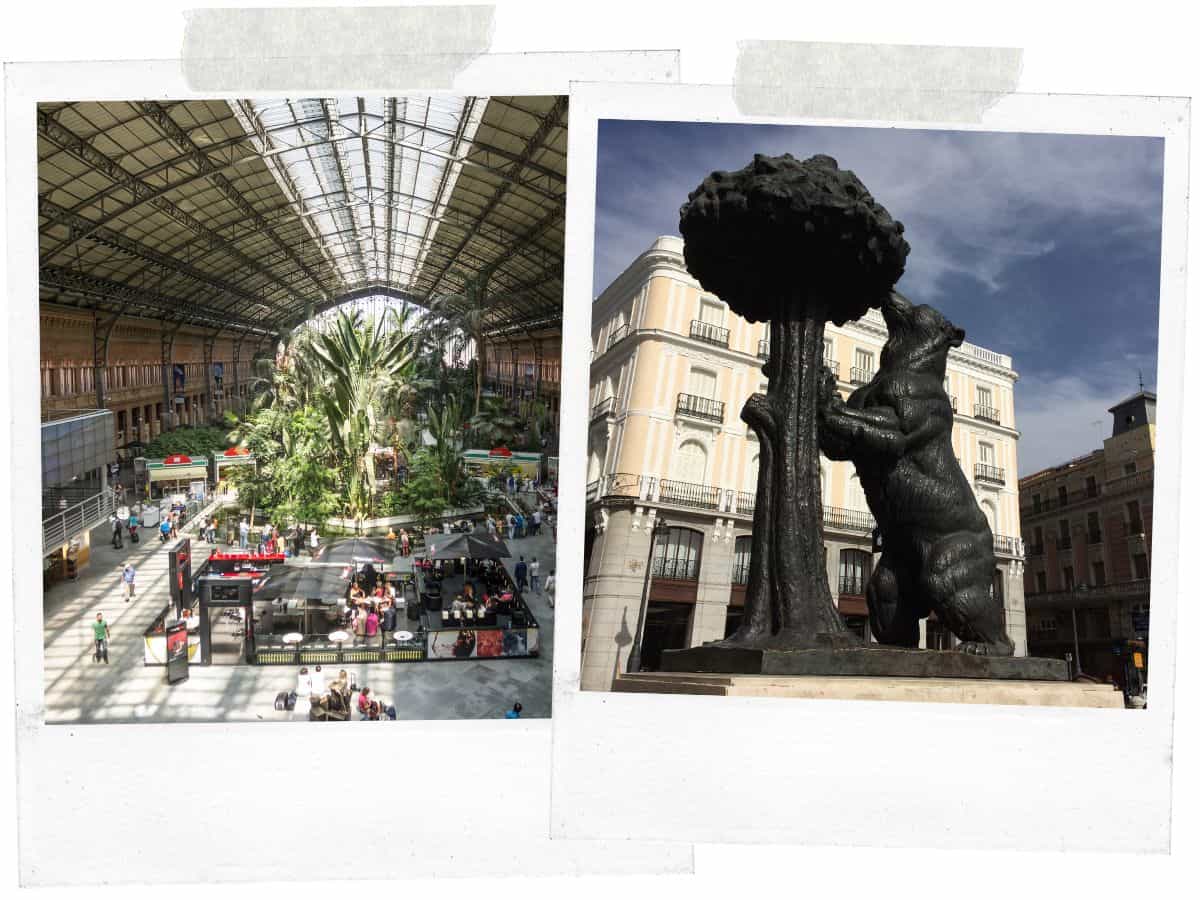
(989,510)
(691,462)
(677,555)
(741,560)
(854,569)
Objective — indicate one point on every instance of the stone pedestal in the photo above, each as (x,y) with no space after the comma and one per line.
(874,661)
(1003,692)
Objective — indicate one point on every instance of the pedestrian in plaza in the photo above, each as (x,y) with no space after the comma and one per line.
(551,586)
(115,524)
(313,542)
(243,534)
(491,526)
(367,707)
(512,526)
(164,530)
(127,576)
(405,542)
(520,525)
(371,625)
(519,572)
(174,525)
(537,520)
(515,712)
(213,525)
(100,635)
(534,570)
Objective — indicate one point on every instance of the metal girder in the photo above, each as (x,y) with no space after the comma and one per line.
(390,184)
(107,236)
(162,117)
(115,292)
(532,146)
(343,180)
(71,143)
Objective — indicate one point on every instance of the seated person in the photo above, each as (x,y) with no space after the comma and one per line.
(459,604)
(357,593)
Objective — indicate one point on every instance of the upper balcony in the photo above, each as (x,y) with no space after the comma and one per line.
(861,376)
(605,407)
(987,413)
(700,408)
(618,334)
(989,474)
(709,333)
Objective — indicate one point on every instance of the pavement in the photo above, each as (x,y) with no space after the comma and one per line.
(78,690)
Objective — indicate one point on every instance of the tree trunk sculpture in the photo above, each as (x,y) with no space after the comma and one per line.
(798,244)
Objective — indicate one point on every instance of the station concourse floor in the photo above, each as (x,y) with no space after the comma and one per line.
(78,690)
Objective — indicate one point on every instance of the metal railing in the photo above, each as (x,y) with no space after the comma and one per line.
(861,376)
(848,519)
(742,502)
(55,415)
(61,527)
(987,413)
(1009,546)
(623,484)
(1063,500)
(984,472)
(700,407)
(741,573)
(852,585)
(834,366)
(604,407)
(709,333)
(1083,595)
(676,569)
(683,493)
(953,403)
(618,334)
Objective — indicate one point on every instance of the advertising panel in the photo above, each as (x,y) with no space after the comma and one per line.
(177,653)
(179,571)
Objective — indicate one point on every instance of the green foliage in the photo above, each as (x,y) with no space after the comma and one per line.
(494,425)
(199,441)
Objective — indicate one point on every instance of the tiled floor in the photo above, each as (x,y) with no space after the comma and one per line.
(78,690)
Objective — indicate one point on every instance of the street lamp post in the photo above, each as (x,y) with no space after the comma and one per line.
(1079,592)
(634,664)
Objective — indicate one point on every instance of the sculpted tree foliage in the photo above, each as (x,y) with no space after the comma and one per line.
(796,244)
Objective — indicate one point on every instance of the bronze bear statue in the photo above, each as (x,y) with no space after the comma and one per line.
(937,550)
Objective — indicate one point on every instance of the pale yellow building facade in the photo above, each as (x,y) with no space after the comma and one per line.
(671,368)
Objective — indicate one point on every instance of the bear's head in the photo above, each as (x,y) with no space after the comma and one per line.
(919,337)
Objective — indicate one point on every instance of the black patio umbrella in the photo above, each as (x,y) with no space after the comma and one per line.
(466,546)
(357,550)
(323,584)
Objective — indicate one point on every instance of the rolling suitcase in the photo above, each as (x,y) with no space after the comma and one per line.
(281,701)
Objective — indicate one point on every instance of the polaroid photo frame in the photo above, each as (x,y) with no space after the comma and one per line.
(223,802)
(859,772)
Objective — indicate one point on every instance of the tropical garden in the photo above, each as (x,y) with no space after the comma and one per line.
(361,416)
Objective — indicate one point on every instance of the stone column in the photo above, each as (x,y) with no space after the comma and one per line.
(712,594)
(612,592)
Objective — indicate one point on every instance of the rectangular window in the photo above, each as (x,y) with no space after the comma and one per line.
(712,313)
(1037,503)
(864,360)
(702,384)
(1068,578)
(828,349)
(1135,517)
(1093,524)
(987,454)
(1130,468)
(1141,566)
(1092,489)
(1038,540)
(1098,573)
(1064,532)
(983,396)
(1062,495)
(1040,578)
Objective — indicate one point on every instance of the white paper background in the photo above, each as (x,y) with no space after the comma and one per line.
(1069,47)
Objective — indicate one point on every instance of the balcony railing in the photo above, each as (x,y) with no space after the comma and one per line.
(987,413)
(1009,546)
(709,333)
(61,527)
(1069,499)
(984,472)
(854,586)
(834,366)
(764,349)
(618,334)
(742,502)
(848,519)
(683,493)
(953,403)
(676,569)
(1133,529)
(741,573)
(622,484)
(861,376)
(604,407)
(1083,596)
(700,408)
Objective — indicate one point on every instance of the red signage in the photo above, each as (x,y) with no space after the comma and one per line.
(237,451)
(177,459)
(500,451)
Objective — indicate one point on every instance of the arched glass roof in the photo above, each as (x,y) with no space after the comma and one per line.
(256,214)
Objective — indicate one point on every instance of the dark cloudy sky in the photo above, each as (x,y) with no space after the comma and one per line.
(1044,247)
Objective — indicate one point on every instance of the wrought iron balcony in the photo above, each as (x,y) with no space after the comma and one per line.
(854,586)
(676,569)
(1009,546)
(684,493)
(618,334)
(741,574)
(709,333)
(861,376)
(987,413)
(985,472)
(848,519)
(764,349)
(700,408)
(833,366)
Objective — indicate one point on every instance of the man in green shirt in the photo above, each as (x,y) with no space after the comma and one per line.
(100,633)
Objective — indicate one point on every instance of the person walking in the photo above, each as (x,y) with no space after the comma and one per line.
(115,523)
(491,526)
(244,534)
(515,712)
(537,521)
(551,585)
(174,525)
(520,572)
(405,542)
(164,530)
(128,575)
(512,526)
(535,569)
(213,525)
(313,543)
(100,635)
